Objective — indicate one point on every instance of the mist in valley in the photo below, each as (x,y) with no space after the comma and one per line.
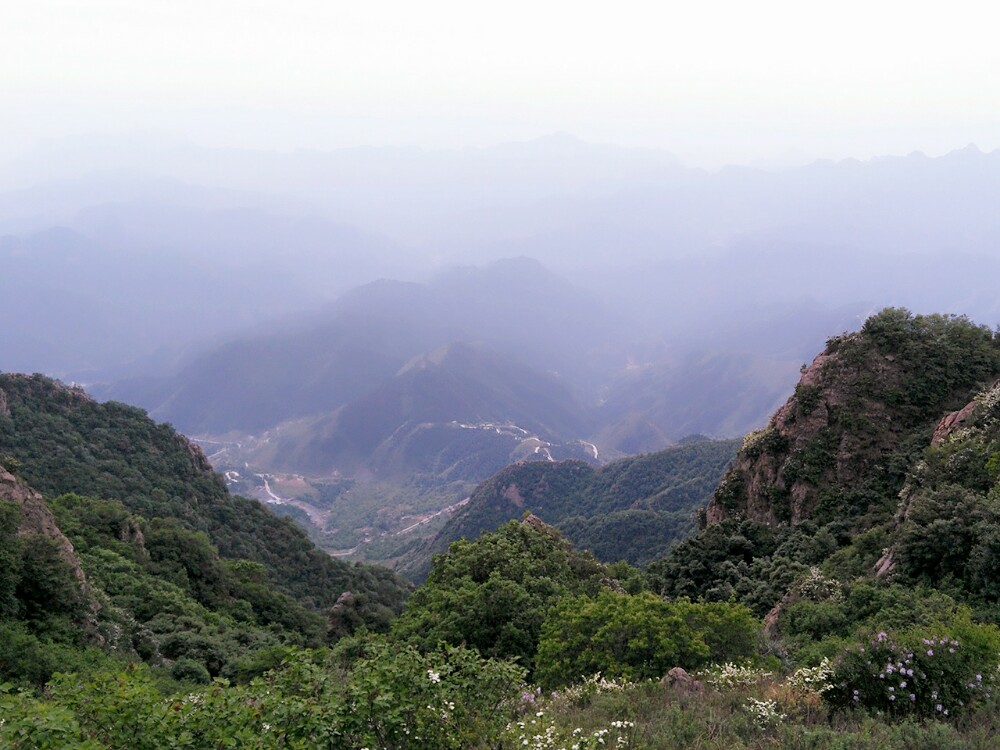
(361,287)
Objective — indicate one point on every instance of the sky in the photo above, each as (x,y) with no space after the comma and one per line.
(713,82)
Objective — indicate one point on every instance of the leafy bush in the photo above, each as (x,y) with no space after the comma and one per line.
(492,594)
(638,637)
(921,673)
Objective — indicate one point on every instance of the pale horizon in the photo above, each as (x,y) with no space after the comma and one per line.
(720,83)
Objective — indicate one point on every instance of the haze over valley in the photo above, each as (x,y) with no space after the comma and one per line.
(463,376)
(379,329)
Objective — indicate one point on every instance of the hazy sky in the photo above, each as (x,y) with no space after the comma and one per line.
(710,81)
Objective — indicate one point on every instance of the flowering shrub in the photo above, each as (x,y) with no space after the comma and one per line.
(538,732)
(581,693)
(392,698)
(764,712)
(916,676)
(812,679)
(730,675)
(819,588)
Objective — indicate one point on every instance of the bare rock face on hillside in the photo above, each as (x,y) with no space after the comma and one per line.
(678,679)
(37,519)
(821,437)
(953,421)
(833,449)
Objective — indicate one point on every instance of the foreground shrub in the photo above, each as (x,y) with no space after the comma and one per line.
(921,673)
(392,698)
(638,637)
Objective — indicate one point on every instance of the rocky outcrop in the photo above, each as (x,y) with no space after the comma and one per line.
(851,409)
(37,519)
(954,421)
(679,680)
(775,476)
(513,494)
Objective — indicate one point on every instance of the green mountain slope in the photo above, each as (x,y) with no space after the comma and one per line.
(871,491)
(632,509)
(176,565)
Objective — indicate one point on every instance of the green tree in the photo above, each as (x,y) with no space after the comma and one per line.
(493,593)
(638,637)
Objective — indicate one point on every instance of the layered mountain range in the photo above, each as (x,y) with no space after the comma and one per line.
(316,323)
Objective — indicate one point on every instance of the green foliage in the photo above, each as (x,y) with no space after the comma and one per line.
(391,697)
(752,562)
(492,594)
(921,673)
(47,584)
(638,637)
(633,509)
(186,558)
(67,443)
(447,699)
(951,535)
(764,441)
(935,356)
(635,536)
(10,558)
(31,659)
(807,397)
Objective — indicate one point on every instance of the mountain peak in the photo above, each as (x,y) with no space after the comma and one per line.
(825,453)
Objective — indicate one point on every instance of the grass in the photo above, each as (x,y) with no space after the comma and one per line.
(720,719)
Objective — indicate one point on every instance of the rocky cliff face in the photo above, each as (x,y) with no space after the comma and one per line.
(37,519)
(861,412)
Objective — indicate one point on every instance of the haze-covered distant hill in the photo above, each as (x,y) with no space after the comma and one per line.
(455,389)
(514,307)
(130,281)
(210,286)
(673,250)
(354,358)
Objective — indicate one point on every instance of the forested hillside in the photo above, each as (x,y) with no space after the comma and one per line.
(633,509)
(879,475)
(165,565)
(841,591)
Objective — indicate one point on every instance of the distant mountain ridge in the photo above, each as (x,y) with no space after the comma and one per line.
(457,387)
(633,509)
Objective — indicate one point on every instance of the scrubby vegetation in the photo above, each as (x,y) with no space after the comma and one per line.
(842,593)
(630,510)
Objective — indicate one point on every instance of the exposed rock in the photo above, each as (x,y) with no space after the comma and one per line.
(131,534)
(197,455)
(772,617)
(678,679)
(346,599)
(886,564)
(514,495)
(953,421)
(343,617)
(808,444)
(37,519)
(614,584)
(534,521)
